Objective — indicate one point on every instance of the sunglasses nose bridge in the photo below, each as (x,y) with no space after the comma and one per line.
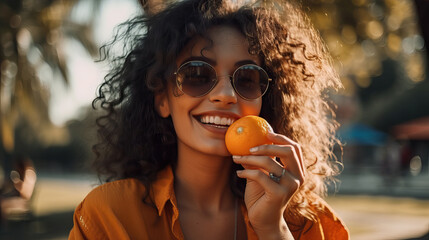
(224,91)
(225,76)
(229,77)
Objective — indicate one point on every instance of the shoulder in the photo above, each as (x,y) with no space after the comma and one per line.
(113,194)
(120,190)
(115,198)
(326,225)
(107,207)
(332,225)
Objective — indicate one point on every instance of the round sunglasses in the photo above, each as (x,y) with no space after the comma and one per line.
(198,78)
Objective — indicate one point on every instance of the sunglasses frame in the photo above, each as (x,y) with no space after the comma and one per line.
(231,79)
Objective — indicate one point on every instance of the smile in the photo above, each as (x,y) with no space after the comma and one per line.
(216,121)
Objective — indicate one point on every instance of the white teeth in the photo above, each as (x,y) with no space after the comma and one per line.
(217,120)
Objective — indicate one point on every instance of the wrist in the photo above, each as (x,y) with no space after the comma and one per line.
(282,232)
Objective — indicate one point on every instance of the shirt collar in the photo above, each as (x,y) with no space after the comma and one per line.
(163,188)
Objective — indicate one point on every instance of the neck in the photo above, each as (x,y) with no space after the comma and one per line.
(202,181)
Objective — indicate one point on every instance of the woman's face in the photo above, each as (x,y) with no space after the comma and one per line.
(201,122)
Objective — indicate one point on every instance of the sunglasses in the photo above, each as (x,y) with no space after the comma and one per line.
(198,78)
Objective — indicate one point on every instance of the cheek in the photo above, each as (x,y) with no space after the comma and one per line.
(251,107)
(181,108)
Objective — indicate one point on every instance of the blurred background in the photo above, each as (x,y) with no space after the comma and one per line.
(49,76)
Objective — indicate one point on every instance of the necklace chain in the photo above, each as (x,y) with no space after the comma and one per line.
(235,219)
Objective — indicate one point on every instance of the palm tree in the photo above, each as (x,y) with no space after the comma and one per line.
(32,34)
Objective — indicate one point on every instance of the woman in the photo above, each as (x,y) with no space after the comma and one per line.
(189,71)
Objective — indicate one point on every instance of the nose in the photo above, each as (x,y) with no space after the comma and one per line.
(223,92)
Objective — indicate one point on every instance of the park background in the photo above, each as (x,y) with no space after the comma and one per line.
(50,74)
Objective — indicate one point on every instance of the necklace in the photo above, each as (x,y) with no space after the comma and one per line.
(235,219)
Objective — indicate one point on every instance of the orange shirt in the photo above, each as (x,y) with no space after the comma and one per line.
(115,210)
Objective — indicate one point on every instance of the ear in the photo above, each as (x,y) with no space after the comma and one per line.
(161,104)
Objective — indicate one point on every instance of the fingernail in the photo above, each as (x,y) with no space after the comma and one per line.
(239,172)
(253,149)
(236,156)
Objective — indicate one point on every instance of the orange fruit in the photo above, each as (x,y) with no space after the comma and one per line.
(245,133)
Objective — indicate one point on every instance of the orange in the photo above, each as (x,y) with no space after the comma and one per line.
(245,133)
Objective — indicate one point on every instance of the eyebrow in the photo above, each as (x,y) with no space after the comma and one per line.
(214,63)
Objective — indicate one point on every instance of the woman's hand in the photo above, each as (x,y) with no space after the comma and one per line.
(265,198)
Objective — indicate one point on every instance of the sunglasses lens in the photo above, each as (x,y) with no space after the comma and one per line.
(196,78)
(250,81)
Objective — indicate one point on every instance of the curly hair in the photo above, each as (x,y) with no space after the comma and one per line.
(135,142)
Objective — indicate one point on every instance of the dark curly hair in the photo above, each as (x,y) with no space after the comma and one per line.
(135,142)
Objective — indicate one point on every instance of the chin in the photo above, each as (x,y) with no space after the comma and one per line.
(219,152)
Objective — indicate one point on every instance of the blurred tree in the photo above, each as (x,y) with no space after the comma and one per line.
(32,36)
(380,54)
